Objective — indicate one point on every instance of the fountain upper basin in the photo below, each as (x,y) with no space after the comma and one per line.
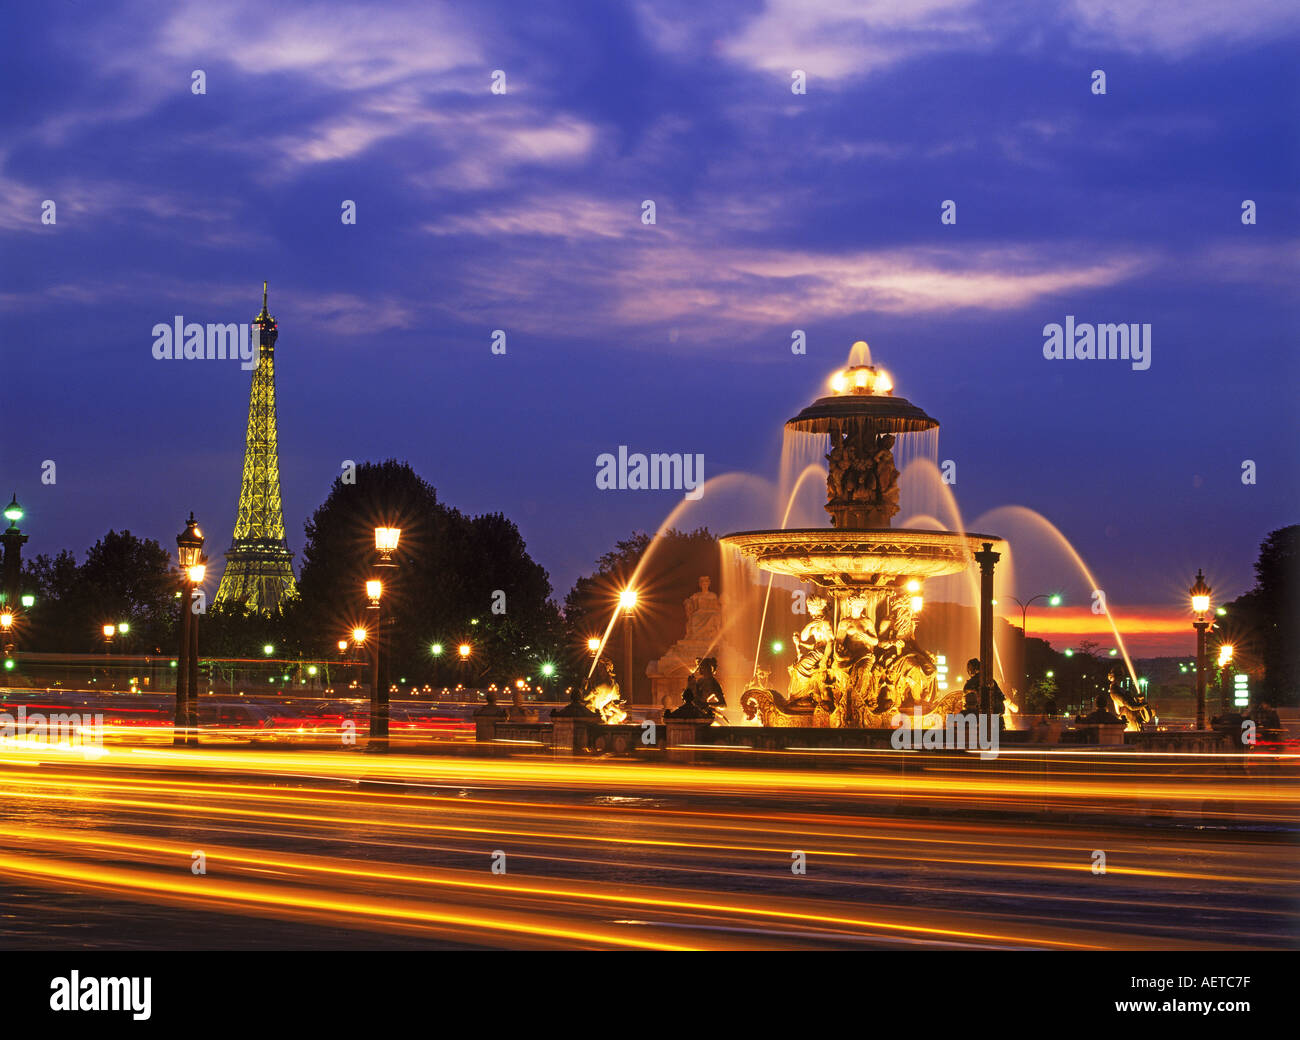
(853,558)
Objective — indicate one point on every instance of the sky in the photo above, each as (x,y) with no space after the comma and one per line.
(522,210)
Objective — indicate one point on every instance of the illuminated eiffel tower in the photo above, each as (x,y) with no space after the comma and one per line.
(258,574)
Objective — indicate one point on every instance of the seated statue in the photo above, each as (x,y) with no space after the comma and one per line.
(691,707)
(708,690)
(1103,716)
(812,648)
(703,613)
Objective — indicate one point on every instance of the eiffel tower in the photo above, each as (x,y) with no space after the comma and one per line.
(258,574)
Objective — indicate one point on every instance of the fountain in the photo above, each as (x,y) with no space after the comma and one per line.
(858,664)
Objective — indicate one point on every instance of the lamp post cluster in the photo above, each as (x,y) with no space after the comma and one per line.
(193,566)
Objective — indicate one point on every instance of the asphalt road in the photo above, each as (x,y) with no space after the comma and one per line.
(304,849)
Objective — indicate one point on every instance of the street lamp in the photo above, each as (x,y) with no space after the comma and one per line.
(1200,593)
(1053,600)
(193,565)
(386,540)
(627,600)
(12,540)
(464,651)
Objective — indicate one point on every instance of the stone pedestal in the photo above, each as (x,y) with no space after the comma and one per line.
(486,718)
(681,736)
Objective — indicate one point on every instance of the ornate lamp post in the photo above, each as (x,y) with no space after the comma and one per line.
(386,539)
(193,564)
(627,600)
(12,540)
(378,697)
(1200,593)
(986,558)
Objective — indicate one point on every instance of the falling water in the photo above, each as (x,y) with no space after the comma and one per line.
(721,486)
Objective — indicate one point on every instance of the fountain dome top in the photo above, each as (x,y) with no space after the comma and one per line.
(862,393)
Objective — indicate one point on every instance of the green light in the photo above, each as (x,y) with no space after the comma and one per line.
(436,649)
(1112,651)
(173,664)
(1221,611)
(777,646)
(13,511)
(473,621)
(548,669)
(1051,675)
(268,649)
(1069,653)
(124,628)
(311,669)
(28,600)
(9,664)
(1054,601)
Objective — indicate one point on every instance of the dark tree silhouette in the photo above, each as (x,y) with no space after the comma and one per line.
(457,579)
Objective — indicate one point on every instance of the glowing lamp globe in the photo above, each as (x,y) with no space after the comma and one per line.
(189,545)
(1200,593)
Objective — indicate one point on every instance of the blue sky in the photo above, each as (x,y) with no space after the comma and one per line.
(775,211)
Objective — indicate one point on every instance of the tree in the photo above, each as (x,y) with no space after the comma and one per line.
(456,579)
(123,579)
(1265,618)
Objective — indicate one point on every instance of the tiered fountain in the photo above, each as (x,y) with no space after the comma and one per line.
(858,664)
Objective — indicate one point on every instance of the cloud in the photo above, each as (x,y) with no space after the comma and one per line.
(646,278)
(1177,29)
(842,40)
